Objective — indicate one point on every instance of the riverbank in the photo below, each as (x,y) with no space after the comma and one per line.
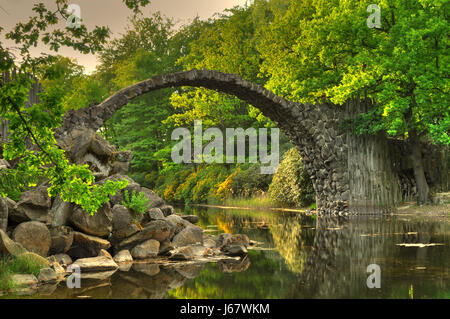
(409,208)
(301,210)
(429,210)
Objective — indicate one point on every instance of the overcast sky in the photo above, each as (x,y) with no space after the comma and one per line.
(112,13)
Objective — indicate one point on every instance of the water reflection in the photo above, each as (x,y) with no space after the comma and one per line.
(298,257)
(328,257)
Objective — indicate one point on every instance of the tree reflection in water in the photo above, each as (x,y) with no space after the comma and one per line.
(298,256)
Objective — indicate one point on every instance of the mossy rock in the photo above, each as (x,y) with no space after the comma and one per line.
(9,247)
(35,259)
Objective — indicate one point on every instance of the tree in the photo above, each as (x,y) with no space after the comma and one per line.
(34,125)
(323,51)
(227,44)
(151,46)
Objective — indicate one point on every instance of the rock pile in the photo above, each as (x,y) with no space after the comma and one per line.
(57,233)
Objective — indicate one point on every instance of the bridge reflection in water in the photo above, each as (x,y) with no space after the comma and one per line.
(299,257)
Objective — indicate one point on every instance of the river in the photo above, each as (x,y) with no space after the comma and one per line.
(298,256)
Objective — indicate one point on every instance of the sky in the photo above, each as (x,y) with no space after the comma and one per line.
(111,13)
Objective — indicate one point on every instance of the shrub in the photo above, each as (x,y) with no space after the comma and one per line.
(224,189)
(249,182)
(137,203)
(291,184)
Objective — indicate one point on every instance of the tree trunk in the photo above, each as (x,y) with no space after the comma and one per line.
(419,173)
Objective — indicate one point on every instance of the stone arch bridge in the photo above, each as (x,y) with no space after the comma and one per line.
(350,174)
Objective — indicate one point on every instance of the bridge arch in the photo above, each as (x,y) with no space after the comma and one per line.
(314,129)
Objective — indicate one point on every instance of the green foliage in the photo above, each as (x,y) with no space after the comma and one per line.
(34,125)
(14,182)
(325,51)
(136,202)
(291,184)
(227,44)
(149,47)
(189,185)
(248,181)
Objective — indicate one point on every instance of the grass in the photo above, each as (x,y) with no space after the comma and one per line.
(16,265)
(254,202)
(258,202)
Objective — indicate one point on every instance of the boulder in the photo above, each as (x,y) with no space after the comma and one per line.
(62,259)
(21,280)
(33,236)
(233,245)
(193,219)
(15,214)
(59,270)
(167,210)
(3,214)
(227,239)
(123,225)
(87,246)
(101,147)
(188,236)
(157,229)
(182,254)
(99,224)
(155,213)
(121,162)
(99,168)
(119,167)
(36,197)
(123,256)
(105,253)
(148,249)
(210,241)
(118,198)
(34,205)
(60,212)
(165,247)
(47,275)
(124,156)
(62,239)
(178,223)
(153,199)
(77,143)
(9,247)
(96,264)
(234,250)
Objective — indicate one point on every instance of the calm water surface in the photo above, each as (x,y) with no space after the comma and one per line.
(298,257)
